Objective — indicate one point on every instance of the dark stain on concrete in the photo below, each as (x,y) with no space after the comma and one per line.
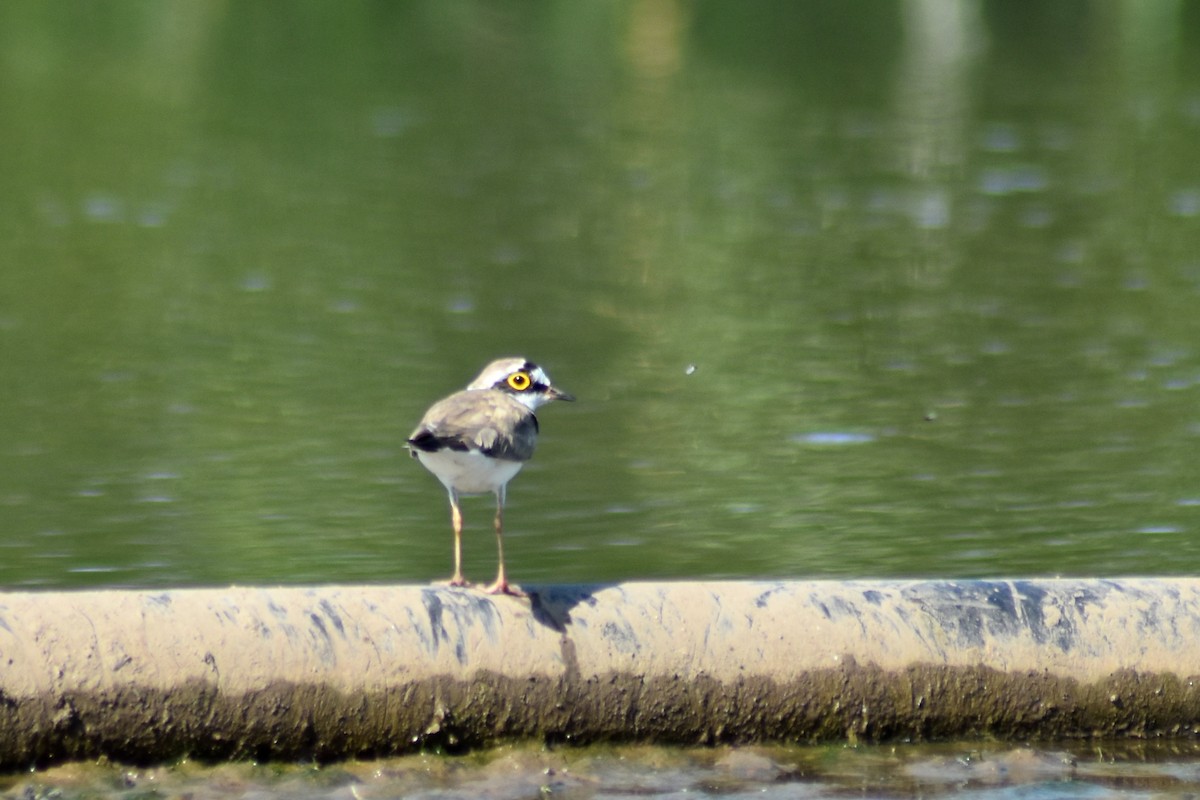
(459,610)
(432,600)
(330,612)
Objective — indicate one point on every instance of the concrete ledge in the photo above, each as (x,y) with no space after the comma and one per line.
(343,671)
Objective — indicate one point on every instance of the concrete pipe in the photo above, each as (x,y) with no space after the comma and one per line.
(354,671)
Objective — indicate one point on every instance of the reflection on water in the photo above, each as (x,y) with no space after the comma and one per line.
(902,293)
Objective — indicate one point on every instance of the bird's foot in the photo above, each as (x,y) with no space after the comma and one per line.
(504,587)
(457,582)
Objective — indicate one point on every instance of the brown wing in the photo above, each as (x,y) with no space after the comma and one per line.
(486,420)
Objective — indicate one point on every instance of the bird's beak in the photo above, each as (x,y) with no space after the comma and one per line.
(559,394)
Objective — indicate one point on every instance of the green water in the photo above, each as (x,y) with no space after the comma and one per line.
(909,291)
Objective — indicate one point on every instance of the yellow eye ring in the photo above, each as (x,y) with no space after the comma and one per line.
(519,381)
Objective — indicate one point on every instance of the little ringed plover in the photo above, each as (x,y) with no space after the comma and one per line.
(475,441)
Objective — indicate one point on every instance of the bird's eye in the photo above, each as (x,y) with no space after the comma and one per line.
(519,381)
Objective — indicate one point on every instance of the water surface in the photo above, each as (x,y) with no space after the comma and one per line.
(903,293)
(993,772)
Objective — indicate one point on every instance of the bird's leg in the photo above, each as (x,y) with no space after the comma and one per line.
(501,585)
(456,521)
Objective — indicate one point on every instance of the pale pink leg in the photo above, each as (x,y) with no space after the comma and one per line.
(456,520)
(501,584)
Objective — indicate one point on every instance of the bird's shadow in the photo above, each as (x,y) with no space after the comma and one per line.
(552,605)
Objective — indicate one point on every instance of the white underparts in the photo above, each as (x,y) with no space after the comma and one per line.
(469,472)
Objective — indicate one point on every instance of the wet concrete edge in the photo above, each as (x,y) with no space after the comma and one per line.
(336,672)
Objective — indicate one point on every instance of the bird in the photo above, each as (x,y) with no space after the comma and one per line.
(475,441)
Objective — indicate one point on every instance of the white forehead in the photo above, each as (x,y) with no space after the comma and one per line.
(501,368)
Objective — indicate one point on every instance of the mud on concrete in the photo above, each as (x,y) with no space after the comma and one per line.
(852,703)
